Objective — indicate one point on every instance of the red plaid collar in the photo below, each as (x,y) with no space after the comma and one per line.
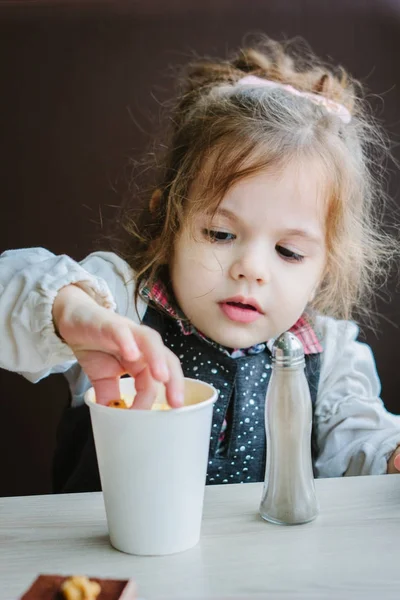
(159,295)
(306,333)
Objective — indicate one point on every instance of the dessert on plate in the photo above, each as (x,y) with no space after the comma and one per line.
(77,587)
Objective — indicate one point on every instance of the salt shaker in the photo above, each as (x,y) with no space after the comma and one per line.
(289,491)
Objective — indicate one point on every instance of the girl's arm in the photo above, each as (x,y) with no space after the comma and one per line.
(356,435)
(30,279)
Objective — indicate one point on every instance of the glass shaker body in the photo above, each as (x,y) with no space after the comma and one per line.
(289,491)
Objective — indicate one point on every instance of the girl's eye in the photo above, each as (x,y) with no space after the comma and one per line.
(288,254)
(218,236)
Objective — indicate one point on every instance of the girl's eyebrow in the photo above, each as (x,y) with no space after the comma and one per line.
(308,234)
(225,212)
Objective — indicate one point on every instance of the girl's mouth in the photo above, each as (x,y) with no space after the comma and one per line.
(239,311)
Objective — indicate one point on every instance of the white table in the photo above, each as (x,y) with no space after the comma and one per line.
(352,550)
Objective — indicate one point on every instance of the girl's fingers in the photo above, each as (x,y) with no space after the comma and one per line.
(129,342)
(175,386)
(124,340)
(148,387)
(104,372)
(152,347)
(106,390)
(163,364)
(139,351)
(146,390)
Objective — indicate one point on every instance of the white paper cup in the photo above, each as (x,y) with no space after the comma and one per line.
(153,467)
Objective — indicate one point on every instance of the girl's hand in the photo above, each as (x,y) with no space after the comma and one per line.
(108,345)
(394,462)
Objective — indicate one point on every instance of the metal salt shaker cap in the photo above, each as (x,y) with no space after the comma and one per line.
(287,350)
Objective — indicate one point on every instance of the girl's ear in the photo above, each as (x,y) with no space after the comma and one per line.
(155,201)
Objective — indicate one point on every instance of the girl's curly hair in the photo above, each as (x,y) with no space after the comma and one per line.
(239,131)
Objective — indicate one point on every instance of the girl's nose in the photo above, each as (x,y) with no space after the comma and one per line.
(251,266)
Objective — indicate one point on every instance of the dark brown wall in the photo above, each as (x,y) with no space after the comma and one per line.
(81,84)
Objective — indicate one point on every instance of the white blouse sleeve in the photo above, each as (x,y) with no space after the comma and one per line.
(355,433)
(29,282)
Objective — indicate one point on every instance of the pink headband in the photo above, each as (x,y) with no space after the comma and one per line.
(330,105)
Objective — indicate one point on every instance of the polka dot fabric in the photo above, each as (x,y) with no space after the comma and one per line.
(237,443)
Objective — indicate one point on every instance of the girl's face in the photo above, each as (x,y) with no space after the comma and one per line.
(247,275)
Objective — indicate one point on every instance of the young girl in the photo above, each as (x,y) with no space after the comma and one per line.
(263,221)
